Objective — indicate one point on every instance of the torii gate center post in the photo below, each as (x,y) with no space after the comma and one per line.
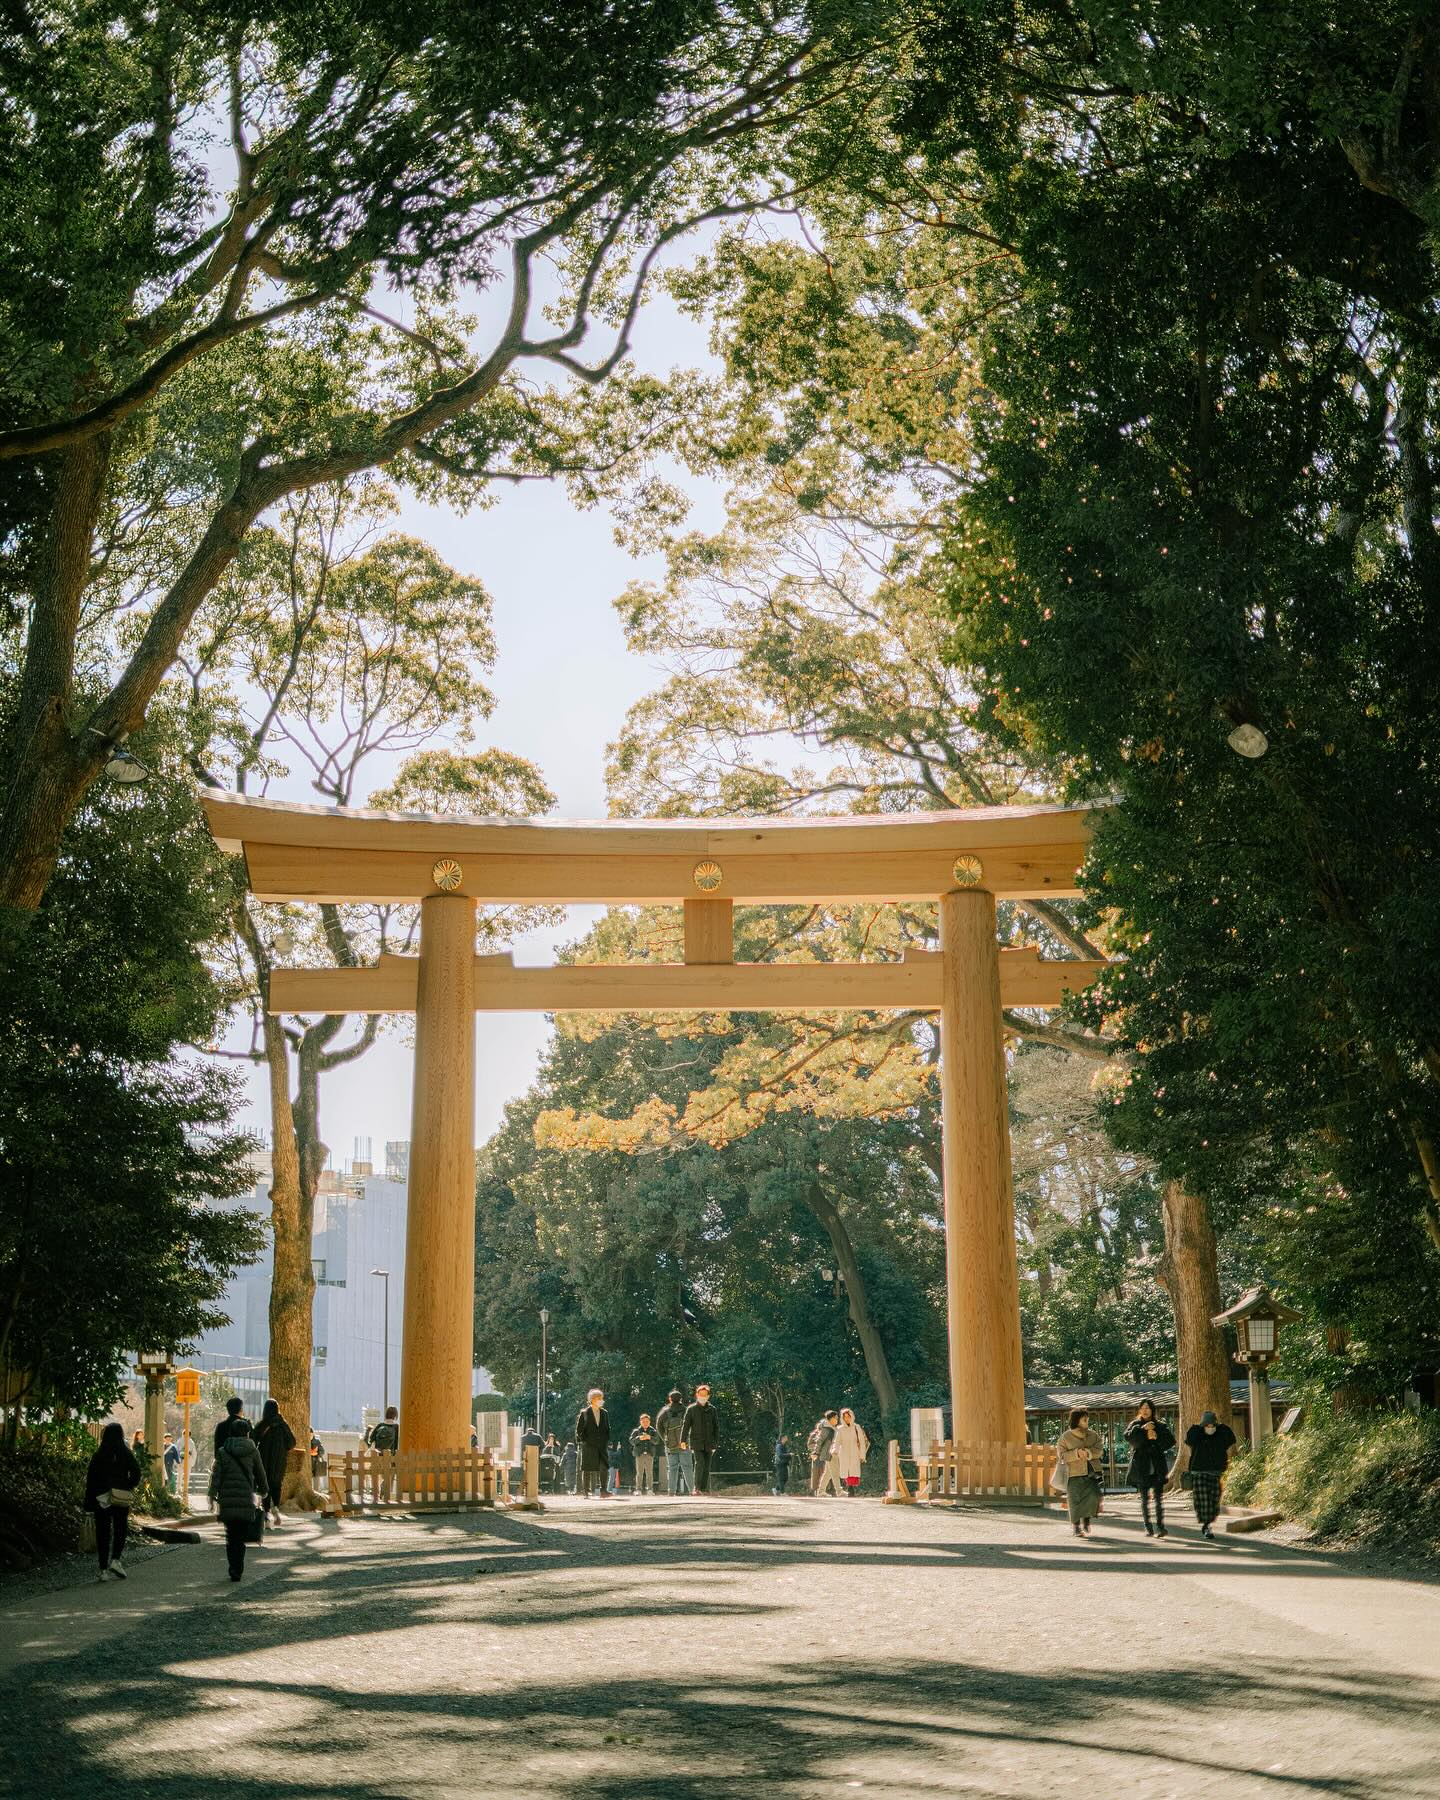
(965,860)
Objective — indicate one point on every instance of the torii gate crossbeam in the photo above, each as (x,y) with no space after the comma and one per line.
(965,860)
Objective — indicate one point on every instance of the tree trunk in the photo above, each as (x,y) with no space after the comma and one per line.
(50,765)
(1189,1273)
(877,1364)
(292,1284)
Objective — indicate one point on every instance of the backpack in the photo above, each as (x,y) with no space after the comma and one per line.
(386,1436)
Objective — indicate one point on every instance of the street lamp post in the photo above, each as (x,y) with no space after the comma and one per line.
(1257,1320)
(384,1275)
(544,1374)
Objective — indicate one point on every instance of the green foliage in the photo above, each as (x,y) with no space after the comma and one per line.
(113,1146)
(40,1494)
(685,1261)
(1356,1477)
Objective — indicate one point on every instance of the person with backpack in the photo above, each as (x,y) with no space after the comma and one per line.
(385,1438)
(818,1447)
(643,1441)
(240,1493)
(701,1438)
(111,1478)
(274,1440)
(679,1463)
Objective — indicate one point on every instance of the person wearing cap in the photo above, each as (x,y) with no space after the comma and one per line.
(1209,1445)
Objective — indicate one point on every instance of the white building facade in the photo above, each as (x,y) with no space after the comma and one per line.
(359,1229)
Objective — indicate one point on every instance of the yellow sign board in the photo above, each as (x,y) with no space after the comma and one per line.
(187,1387)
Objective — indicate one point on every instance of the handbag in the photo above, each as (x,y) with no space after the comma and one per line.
(116,1496)
(255,1530)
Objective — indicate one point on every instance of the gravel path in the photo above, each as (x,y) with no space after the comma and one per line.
(688,1649)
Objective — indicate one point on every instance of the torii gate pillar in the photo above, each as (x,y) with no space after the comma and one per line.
(440,1226)
(987,1382)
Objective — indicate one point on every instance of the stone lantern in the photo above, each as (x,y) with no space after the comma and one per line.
(1257,1319)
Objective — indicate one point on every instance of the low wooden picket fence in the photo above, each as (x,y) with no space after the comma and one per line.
(410,1478)
(997,1471)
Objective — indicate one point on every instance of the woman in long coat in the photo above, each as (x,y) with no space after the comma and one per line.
(1080,1450)
(1150,1443)
(237,1486)
(592,1434)
(849,1450)
(274,1440)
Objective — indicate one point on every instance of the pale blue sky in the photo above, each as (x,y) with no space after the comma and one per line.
(563,680)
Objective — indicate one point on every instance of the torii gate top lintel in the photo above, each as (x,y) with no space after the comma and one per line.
(319,853)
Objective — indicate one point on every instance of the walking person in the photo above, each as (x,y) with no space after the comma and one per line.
(240,1491)
(383,1437)
(274,1440)
(1080,1450)
(643,1440)
(592,1434)
(615,1460)
(848,1451)
(234,1411)
(823,1473)
(679,1463)
(172,1460)
(569,1457)
(1208,1445)
(782,1464)
(702,1436)
(111,1478)
(1150,1443)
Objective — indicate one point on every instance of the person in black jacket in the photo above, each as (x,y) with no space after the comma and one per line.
(112,1472)
(234,1411)
(782,1463)
(274,1440)
(592,1434)
(1209,1445)
(1150,1443)
(701,1436)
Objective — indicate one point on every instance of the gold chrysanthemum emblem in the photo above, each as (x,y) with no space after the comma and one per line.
(968,871)
(447,874)
(707,876)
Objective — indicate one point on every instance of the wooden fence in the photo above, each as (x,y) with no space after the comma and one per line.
(999,1471)
(413,1478)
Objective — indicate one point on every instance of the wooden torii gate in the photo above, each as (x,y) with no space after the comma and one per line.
(965,860)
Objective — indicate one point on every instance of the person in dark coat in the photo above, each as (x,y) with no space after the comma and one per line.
(615,1460)
(569,1457)
(1150,1444)
(112,1472)
(701,1436)
(592,1435)
(237,1486)
(234,1412)
(274,1440)
(1209,1445)
(782,1463)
